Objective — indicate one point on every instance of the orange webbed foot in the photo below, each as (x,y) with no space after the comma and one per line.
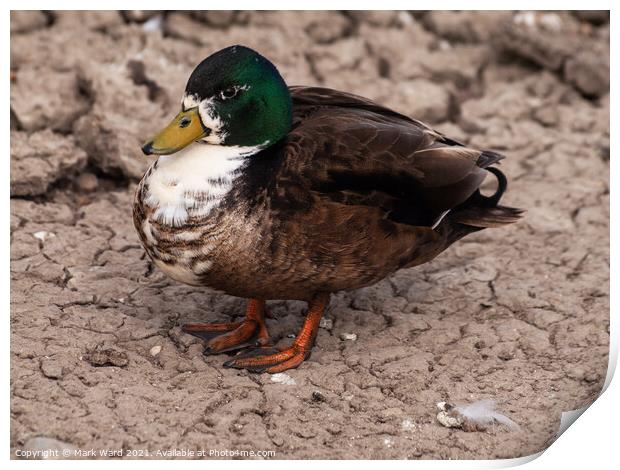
(273,360)
(224,337)
(270,360)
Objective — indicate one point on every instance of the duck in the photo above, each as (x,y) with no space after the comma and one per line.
(266,191)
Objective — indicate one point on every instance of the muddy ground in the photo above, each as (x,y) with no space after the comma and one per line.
(519,315)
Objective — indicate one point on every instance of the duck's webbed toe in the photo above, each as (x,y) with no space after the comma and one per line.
(270,360)
(273,360)
(224,337)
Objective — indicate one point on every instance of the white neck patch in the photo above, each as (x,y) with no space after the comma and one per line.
(193,181)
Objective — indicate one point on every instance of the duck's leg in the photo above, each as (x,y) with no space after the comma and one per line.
(273,361)
(222,337)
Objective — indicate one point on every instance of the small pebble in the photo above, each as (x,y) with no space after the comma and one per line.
(155,350)
(348,336)
(326,323)
(277,441)
(87,182)
(102,356)
(408,425)
(318,396)
(51,369)
(42,235)
(444,45)
(153,24)
(447,419)
(506,354)
(283,378)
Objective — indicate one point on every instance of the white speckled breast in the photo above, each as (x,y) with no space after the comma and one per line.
(193,181)
(175,202)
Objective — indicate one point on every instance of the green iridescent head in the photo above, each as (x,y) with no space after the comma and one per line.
(233,97)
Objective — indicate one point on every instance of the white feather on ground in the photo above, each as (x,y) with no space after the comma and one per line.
(474,416)
(484,412)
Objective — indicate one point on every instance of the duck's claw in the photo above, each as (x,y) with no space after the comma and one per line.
(270,360)
(208,331)
(224,337)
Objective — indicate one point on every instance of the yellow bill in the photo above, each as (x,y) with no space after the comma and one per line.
(184,129)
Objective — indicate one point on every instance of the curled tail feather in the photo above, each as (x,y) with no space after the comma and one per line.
(483,211)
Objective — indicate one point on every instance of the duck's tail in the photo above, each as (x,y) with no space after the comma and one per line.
(479,212)
(483,211)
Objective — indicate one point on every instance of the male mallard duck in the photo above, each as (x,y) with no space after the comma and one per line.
(265,191)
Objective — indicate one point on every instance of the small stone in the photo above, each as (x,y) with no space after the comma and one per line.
(155,350)
(417,325)
(446,418)
(155,23)
(444,45)
(506,354)
(448,421)
(408,425)
(102,356)
(51,368)
(326,323)
(43,235)
(278,441)
(348,336)
(318,396)
(87,182)
(551,21)
(591,376)
(283,378)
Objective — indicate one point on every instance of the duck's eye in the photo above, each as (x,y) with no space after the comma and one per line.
(229,93)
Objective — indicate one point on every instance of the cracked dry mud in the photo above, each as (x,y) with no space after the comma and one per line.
(519,315)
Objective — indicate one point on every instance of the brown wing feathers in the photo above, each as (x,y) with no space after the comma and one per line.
(355,151)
